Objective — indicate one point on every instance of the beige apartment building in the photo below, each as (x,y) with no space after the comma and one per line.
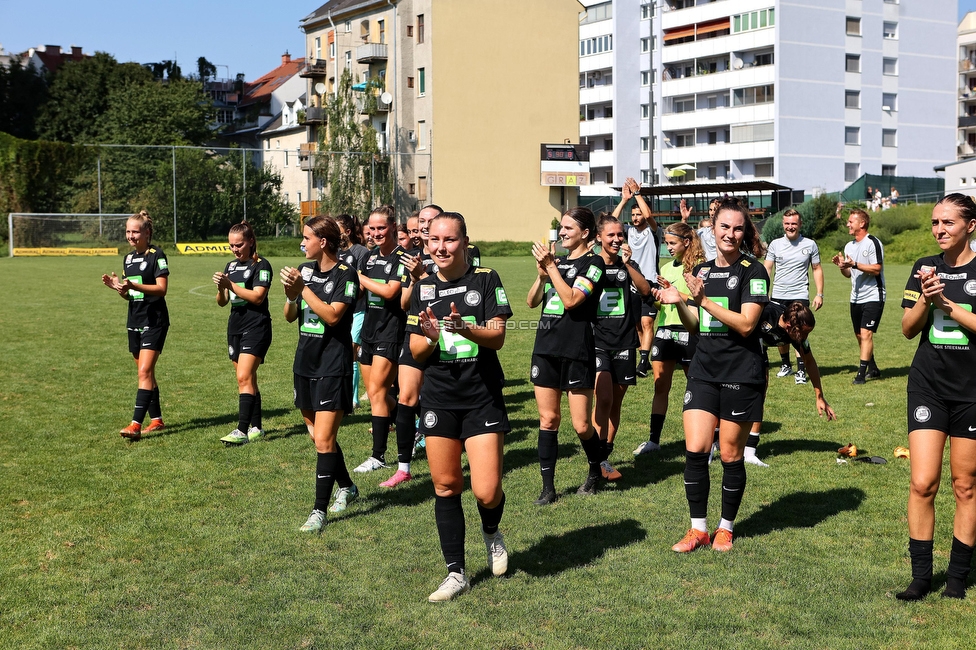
(469,91)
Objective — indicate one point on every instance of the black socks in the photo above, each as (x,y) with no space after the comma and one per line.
(341,473)
(733,485)
(697,483)
(921,554)
(381,431)
(405,432)
(593,447)
(960,561)
(256,412)
(548,452)
(245,409)
(325,467)
(155,413)
(657,425)
(490,518)
(450,528)
(143,398)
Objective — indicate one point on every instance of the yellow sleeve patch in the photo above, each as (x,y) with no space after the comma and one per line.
(343,267)
(912,295)
(746,263)
(482,269)
(413,320)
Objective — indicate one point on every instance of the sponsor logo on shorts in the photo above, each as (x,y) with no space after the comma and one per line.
(306,273)
(732,282)
(622,354)
(628,378)
(472,298)
(430,419)
(427,291)
(574,381)
(688,396)
(329,286)
(972,428)
(731,386)
(535,372)
(323,402)
(491,424)
(870,324)
(924,414)
(970,288)
(655,351)
(599,362)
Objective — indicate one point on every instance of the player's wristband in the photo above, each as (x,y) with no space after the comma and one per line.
(290,301)
(820,295)
(431,343)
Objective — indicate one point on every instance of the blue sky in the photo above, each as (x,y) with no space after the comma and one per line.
(245,36)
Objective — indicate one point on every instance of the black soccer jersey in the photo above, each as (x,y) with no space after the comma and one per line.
(617,311)
(250,275)
(459,373)
(144,268)
(770,331)
(355,258)
(569,334)
(722,354)
(323,350)
(946,352)
(385,319)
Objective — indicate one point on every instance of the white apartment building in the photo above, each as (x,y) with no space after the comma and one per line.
(966,41)
(805,93)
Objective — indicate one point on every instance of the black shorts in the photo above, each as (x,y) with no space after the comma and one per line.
(562,373)
(383,349)
(866,316)
(461,424)
(406,356)
(673,345)
(148,338)
(323,393)
(732,402)
(927,411)
(621,364)
(649,306)
(256,341)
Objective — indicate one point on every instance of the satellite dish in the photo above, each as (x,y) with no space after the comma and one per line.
(737,64)
(386,98)
(320,88)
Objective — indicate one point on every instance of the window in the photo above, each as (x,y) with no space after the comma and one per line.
(348,60)
(852,171)
(410,35)
(762,132)
(286,158)
(890,67)
(645,111)
(287,199)
(598,45)
(891,2)
(422,82)
(596,13)
(753,20)
(853,63)
(348,26)
(683,105)
(332,50)
(684,140)
(645,12)
(645,44)
(889,138)
(645,78)
(318,47)
(645,143)
(713,137)
(411,188)
(754,95)
(889,102)
(852,135)
(609,176)
(381,25)
(608,144)
(420,28)
(888,170)
(852,99)
(712,172)
(298,197)
(409,82)
(591,113)
(890,31)
(422,134)
(853,26)
(422,188)
(645,176)
(763,59)
(764,169)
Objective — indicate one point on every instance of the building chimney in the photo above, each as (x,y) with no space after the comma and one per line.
(285,58)
(53,49)
(76,52)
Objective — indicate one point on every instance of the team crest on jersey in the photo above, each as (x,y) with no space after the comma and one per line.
(571,272)
(535,372)
(472,298)
(430,419)
(732,282)
(806,251)
(247,274)
(970,288)
(687,396)
(427,291)
(307,273)
(865,253)
(142,267)
(922,414)
(621,275)
(389,267)
(329,286)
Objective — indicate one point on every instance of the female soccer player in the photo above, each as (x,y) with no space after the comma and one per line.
(939,303)
(354,254)
(457,326)
(564,356)
(144,282)
(781,325)
(244,284)
(321,293)
(383,277)
(673,344)
(615,333)
(725,378)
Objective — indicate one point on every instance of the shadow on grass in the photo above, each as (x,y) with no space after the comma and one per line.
(784,447)
(554,554)
(519,458)
(886,373)
(770,427)
(213,421)
(799,510)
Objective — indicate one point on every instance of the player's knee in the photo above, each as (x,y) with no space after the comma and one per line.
(964,488)
(924,487)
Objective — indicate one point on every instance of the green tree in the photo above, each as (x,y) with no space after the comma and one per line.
(22,92)
(176,112)
(351,166)
(79,95)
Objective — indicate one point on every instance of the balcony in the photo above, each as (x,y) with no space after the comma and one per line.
(368,104)
(965,65)
(314,68)
(315,115)
(967,121)
(371,53)
(306,155)
(309,209)
(598,126)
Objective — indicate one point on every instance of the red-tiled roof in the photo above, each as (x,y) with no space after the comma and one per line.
(259,90)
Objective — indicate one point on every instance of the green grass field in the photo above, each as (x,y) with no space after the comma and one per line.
(178,542)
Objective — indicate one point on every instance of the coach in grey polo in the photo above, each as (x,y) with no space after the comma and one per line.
(791,256)
(863,262)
